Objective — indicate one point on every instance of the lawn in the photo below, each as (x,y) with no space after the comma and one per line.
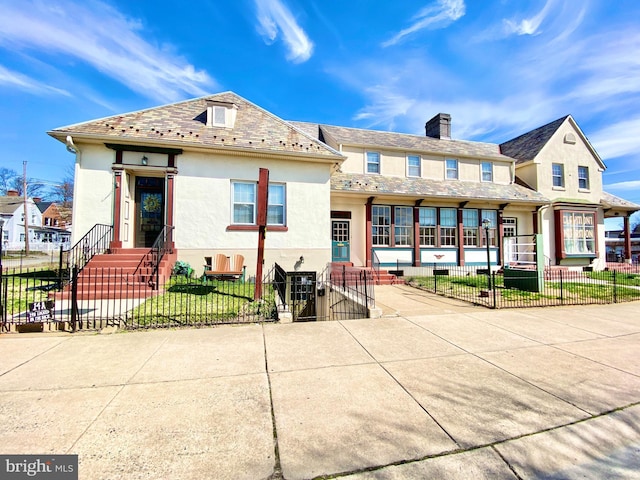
(186,301)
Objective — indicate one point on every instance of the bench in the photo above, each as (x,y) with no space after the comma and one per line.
(221,267)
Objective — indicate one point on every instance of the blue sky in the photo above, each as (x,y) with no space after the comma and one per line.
(499,67)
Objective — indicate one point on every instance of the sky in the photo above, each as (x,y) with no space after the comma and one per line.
(499,67)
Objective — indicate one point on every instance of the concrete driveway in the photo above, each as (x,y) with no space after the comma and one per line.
(434,389)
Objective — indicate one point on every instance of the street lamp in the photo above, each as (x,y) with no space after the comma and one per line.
(486,224)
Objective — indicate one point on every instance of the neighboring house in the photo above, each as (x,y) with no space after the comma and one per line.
(335,194)
(12,212)
(615,244)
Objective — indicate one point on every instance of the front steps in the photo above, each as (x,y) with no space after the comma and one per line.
(122,273)
(340,270)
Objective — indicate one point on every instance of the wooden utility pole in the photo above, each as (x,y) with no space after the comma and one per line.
(26,208)
(263,200)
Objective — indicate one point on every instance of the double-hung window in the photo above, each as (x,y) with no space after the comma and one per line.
(487,171)
(492,216)
(244,203)
(244,208)
(373,162)
(413,165)
(380,224)
(403,232)
(557,172)
(448,226)
(583,178)
(470,226)
(428,222)
(451,168)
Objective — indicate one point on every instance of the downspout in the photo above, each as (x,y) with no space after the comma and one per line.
(73,148)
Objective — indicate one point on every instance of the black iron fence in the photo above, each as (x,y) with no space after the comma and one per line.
(509,289)
(95,298)
(37,299)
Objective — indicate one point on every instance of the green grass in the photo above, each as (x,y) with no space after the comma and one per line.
(601,290)
(192,302)
(27,287)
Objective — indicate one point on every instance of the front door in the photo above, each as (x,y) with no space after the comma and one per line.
(340,241)
(149,210)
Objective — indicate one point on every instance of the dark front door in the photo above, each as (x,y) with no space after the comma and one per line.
(149,210)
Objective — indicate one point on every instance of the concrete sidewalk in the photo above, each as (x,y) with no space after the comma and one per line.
(433,389)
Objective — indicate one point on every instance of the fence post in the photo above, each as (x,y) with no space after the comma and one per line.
(615,288)
(435,279)
(74,298)
(366,291)
(494,290)
(60,276)
(561,289)
(344,277)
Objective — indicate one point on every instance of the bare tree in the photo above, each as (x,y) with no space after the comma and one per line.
(7,179)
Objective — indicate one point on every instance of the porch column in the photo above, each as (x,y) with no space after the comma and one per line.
(500,232)
(369,240)
(116,242)
(416,234)
(169,203)
(627,240)
(534,217)
(460,238)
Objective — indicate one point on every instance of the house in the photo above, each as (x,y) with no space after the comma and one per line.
(615,245)
(336,194)
(12,209)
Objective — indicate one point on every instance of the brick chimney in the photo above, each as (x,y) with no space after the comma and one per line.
(37,199)
(439,126)
(12,193)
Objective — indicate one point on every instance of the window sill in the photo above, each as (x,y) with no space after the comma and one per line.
(562,189)
(584,190)
(254,228)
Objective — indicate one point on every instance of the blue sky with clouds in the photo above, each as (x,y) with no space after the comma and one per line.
(499,67)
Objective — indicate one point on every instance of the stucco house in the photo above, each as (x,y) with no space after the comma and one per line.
(336,194)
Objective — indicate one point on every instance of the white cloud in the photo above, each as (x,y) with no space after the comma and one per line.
(630,185)
(529,26)
(274,17)
(99,35)
(618,140)
(437,15)
(23,82)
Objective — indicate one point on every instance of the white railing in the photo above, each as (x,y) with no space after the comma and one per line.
(35,246)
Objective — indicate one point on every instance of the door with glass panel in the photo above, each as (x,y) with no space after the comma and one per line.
(340,251)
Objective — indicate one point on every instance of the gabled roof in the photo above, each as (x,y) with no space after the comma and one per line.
(183,124)
(445,189)
(42,206)
(8,205)
(527,146)
(402,141)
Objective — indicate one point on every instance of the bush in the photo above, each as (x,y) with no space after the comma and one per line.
(182,268)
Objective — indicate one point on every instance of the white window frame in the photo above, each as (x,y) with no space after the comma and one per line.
(554,175)
(489,172)
(583,178)
(414,170)
(373,161)
(448,169)
(254,204)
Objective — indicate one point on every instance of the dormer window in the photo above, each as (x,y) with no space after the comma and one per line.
(221,114)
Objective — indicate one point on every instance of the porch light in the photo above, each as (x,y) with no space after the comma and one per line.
(144,160)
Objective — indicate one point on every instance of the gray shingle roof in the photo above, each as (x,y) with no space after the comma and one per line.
(527,146)
(422,187)
(184,124)
(8,205)
(403,141)
(612,201)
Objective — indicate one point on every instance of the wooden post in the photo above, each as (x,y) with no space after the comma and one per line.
(263,199)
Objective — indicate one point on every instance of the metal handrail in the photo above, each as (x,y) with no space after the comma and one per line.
(94,242)
(162,245)
(375,261)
